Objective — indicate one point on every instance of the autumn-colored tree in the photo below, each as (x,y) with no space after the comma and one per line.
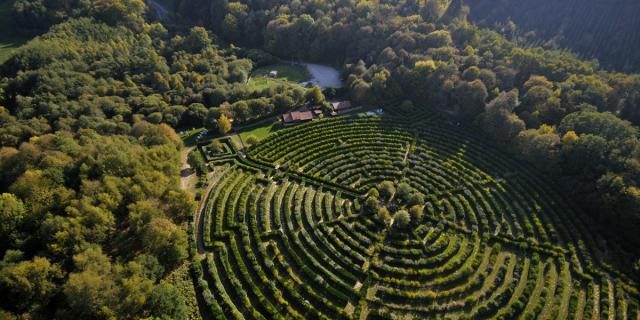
(384,215)
(224,124)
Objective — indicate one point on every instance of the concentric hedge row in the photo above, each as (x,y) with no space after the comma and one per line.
(285,237)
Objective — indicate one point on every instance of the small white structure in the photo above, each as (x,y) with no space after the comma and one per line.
(273,73)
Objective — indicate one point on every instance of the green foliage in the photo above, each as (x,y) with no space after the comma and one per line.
(417,213)
(401,219)
(604,23)
(252,139)
(166,302)
(498,119)
(372,204)
(12,215)
(98,289)
(403,190)
(386,189)
(166,241)
(495,269)
(216,146)
(315,96)
(10,35)
(89,161)
(36,16)
(384,215)
(196,161)
(29,284)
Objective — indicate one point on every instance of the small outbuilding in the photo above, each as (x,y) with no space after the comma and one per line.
(273,74)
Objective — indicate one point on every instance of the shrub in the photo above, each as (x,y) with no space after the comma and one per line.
(384,215)
(417,213)
(252,139)
(372,204)
(401,219)
(415,199)
(404,190)
(216,146)
(387,189)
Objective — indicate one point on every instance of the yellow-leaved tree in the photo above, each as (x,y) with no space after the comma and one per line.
(224,124)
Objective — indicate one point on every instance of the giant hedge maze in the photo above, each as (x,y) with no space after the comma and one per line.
(284,232)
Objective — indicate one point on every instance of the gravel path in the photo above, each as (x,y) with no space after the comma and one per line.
(186,173)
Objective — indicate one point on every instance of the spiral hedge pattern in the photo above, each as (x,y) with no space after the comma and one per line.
(283,234)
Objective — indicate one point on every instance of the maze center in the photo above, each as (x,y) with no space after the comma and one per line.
(285,235)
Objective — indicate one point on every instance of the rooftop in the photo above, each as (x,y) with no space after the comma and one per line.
(341,105)
(297,116)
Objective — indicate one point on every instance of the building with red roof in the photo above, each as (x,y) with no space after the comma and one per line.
(297,117)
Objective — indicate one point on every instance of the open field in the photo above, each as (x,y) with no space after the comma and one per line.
(9,39)
(286,233)
(189,135)
(260,131)
(290,72)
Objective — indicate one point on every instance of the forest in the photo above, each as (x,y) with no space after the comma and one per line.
(92,215)
(593,29)
(562,114)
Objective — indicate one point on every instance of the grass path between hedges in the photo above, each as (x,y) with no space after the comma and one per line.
(537,290)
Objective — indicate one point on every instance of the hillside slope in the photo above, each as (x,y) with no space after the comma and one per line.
(606,30)
(9,39)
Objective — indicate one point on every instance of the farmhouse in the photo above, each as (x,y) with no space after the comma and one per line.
(297,117)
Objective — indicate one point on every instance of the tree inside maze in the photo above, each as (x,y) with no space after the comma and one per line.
(288,230)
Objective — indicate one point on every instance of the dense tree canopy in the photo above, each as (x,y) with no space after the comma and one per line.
(92,215)
(525,100)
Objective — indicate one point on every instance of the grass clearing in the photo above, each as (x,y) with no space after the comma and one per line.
(261,131)
(261,83)
(9,38)
(188,136)
(288,74)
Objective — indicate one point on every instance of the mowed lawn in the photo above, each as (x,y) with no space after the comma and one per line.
(260,131)
(9,38)
(287,74)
